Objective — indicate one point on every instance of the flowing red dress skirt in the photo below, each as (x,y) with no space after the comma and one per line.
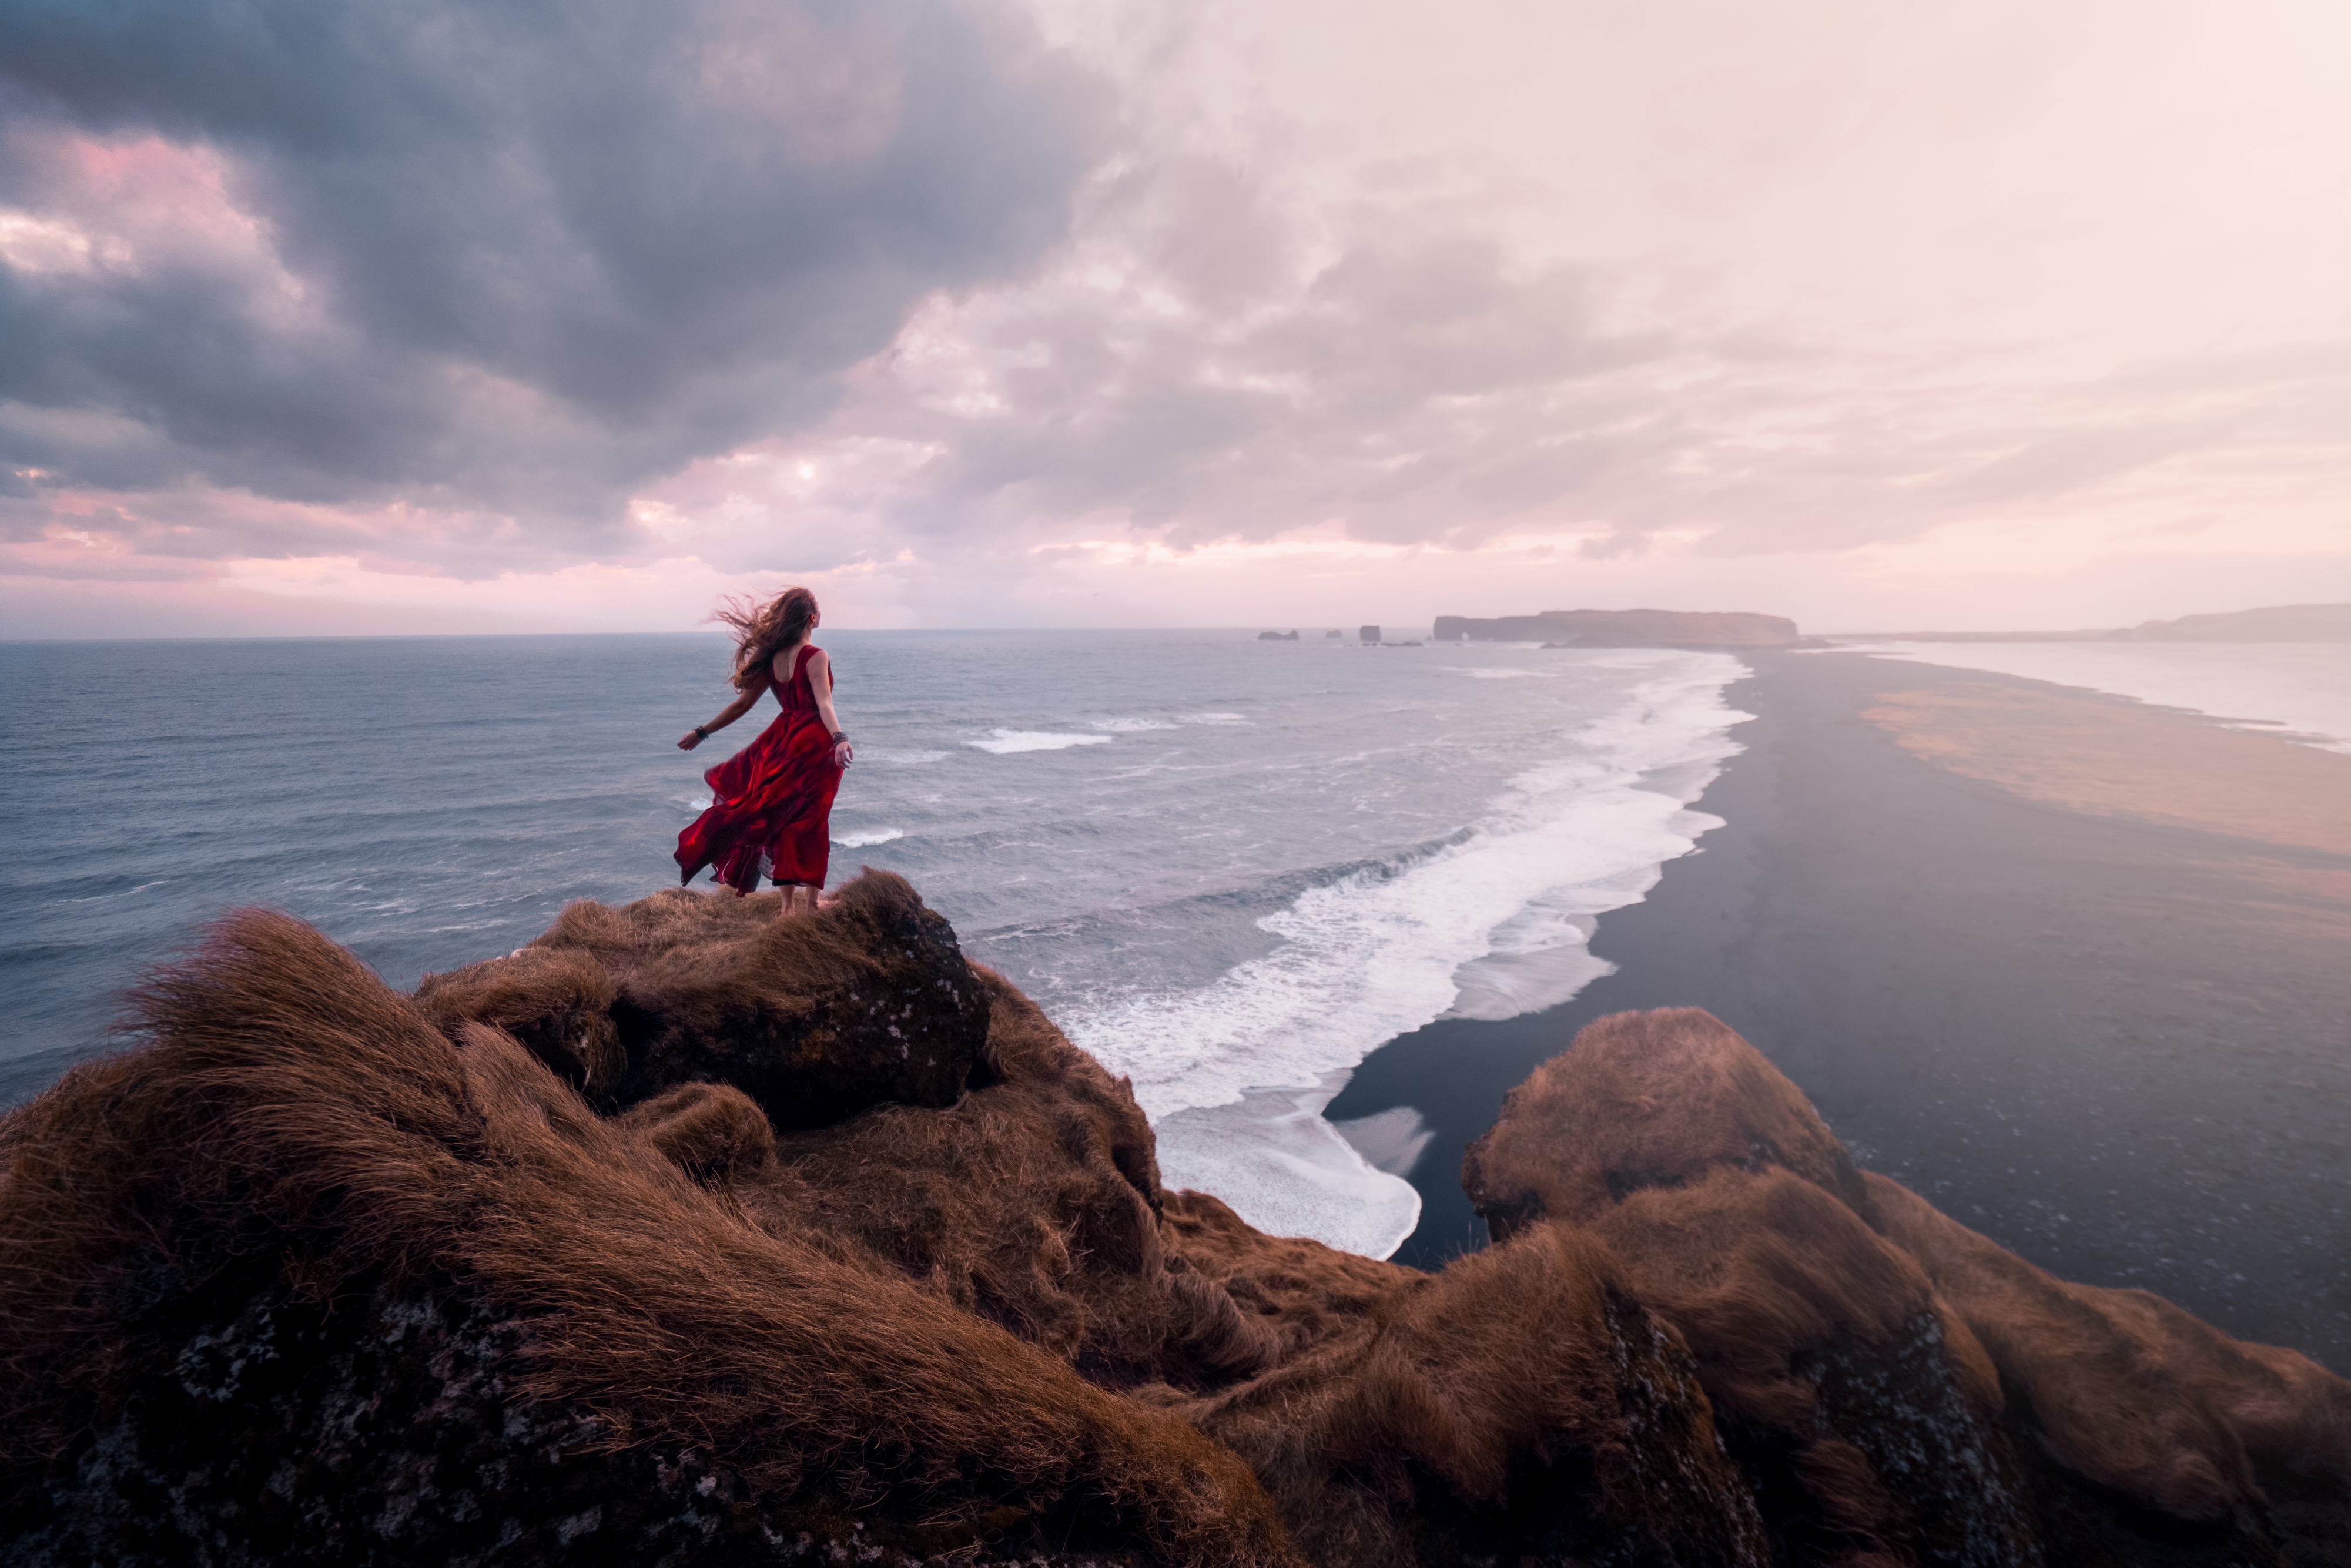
(771,803)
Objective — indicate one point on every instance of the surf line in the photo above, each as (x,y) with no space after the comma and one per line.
(1234,1075)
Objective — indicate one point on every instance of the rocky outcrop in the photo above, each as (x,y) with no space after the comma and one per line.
(1896,1384)
(815,1021)
(1625,629)
(691,1235)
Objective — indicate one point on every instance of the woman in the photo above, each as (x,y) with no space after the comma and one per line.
(771,803)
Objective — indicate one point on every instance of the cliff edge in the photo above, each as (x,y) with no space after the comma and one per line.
(691,1235)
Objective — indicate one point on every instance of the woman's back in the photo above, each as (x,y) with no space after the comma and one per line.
(791,683)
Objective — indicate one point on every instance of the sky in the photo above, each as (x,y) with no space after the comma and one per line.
(325,316)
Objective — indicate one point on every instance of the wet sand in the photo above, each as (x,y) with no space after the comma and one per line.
(2077,970)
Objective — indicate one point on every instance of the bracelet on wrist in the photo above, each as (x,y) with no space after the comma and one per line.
(839,735)
(701,732)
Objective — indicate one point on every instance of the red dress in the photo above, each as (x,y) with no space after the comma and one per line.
(771,803)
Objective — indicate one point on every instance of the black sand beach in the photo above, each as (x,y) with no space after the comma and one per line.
(2117,1045)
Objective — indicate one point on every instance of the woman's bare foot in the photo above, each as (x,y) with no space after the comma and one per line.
(799,900)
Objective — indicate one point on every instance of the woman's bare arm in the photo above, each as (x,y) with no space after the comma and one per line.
(726,716)
(820,688)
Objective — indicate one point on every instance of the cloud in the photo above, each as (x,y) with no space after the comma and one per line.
(898,299)
(1416,386)
(517,259)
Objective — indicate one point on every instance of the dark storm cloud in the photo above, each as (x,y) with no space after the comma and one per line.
(517,258)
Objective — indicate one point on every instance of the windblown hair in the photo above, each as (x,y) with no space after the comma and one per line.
(762,631)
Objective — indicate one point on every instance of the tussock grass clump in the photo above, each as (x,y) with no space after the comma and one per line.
(814,1018)
(1645,1100)
(811,1227)
(557,1002)
(286,1100)
(1518,1403)
(1895,1384)
(2128,1390)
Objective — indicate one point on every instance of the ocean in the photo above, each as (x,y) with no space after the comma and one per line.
(1229,868)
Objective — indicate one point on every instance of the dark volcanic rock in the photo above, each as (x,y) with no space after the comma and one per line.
(868,1002)
(815,1018)
(380,1428)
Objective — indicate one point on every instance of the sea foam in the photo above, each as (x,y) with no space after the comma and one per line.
(1004,742)
(1235,1074)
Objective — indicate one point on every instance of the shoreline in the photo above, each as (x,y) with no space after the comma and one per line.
(2112,1045)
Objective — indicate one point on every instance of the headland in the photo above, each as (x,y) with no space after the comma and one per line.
(1624,629)
(686,1235)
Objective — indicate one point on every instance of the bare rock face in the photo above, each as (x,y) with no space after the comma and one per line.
(1898,1387)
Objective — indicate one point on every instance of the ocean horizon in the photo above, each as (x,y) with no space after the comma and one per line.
(1224,866)
(1231,869)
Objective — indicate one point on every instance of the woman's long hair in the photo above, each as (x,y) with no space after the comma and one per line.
(762,630)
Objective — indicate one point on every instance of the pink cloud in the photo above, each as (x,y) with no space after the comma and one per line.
(1961,316)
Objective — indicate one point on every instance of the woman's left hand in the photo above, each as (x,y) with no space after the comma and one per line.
(844,753)
(689,740)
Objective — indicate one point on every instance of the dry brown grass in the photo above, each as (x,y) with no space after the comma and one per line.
(966,1304)
(288,1099)
(2127,1389)
(967,1288)
(1802,1285)
(1645,1100)
(1520,1397)
(557,1002)
(1033,1202)
(1756,1270)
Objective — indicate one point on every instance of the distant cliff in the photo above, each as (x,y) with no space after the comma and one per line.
(2278,623)
(687,1237)
(1625,629)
